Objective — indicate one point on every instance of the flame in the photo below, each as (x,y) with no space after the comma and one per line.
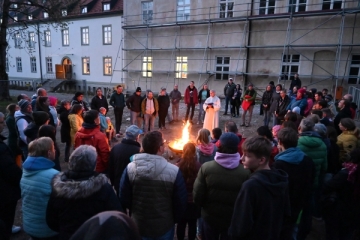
(179,144)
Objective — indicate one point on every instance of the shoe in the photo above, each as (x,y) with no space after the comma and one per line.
(15,229)
(242,125)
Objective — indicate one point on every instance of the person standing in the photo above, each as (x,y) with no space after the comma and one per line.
(203,95)
(266,102)
(10,175)
(117,101)
(248,104)
(134,104)
(43,105)
(228,93)
(23,118)
(164,104)
(295,82)
(191,100)
(40,92)
(150,109)
(235,101)
(64,111)
(281,107)
(344,112)
(75,121)
(99,100)
(13,135)
(274,103)
(78,99)
(211,106)
(175,96)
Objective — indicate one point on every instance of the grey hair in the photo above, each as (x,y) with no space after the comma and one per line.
(348,97)
(212,90)
(1,115)
(306,125)
(83,158)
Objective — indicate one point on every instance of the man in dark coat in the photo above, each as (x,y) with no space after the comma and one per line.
(191,100)
(344,112)
(164,104)
(120,154)
(117,101)
(295,82)
(228,93)
(10,175)
(134,104)
(65,127)
(99,101)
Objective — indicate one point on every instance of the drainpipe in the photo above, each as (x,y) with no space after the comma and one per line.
(40,58)
(248,44)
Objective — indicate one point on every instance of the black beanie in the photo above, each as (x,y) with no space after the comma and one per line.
(40,117)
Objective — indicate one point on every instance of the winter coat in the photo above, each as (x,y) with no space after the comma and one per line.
(97,103)
(203,157)
(188,92)
(215,191)
(65,125)
(119,158)
(75,199)
(53,113)
(274,102)
(10,175)
(156,197)
(12,139)
(175,96)
(295,82)
(200,94)
(261,206)
(31,132)
(76,122)
(22,121)
(251,93)
(347,141)
(156,106)
(282,105)
(84,104)
(309,106)
(35,193)
(229,89)
(51,117)
(266,99)
(91,135)
(103,123)
(164,103)
(301,103)
(117,100)
(334,165)
(134,103)
(314,147)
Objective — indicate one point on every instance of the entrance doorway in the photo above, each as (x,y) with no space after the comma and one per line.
(64,70)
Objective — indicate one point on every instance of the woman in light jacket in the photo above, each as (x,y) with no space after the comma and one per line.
(76,120)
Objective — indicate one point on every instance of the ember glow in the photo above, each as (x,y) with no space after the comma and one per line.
(179,144)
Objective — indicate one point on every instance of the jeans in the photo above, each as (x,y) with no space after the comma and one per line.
(175,111)
(201,112)
(227,100)
(149,122)
(267,117)
(209,233)
(235,106)
(118,112)
(188,106)
(135,119)
(167,236)
(274,120)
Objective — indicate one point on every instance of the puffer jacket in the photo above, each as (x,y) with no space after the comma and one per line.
(91,135)
(314,147)
(76,122)
(35,192)
(215,190)
(75,198)
(347,141)
(155,192)
(301,103)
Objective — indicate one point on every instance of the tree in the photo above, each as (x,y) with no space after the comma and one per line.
(24,14)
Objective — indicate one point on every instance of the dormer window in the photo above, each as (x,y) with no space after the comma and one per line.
(84,10)
(46,15)
(30,17)
(64,12)
(106,7)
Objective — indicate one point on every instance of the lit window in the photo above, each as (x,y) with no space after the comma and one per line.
(85,36)
(64,12)
(106,35)
(65,37)
(85,66)
(222,68)
(33,64)
(226,8)
(47,35)
(354,72)
(183,10)
(332,4)
(18,64)
(267,7)
(107,66)
(106,7)
(147,11)
(49,66)
(147,67)
(84,10)
(46,15)
(181,67)
(290,66)
(31,39)
(297,5)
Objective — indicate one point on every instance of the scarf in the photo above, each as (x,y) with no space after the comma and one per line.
(351,167)
(228,160)
(207,149)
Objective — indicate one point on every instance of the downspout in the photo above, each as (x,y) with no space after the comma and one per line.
(248,44)
(40,58)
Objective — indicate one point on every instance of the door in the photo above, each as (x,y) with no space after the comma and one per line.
(60,71)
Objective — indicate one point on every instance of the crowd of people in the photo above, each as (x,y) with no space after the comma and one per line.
(224,186)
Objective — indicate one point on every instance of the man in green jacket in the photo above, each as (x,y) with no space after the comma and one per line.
(117,101)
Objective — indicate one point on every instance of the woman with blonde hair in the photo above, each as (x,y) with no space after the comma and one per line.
(76,121)
(205,149)
(348,140)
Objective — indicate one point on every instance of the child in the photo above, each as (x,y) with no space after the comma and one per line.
(216,132)
(110,131)
(103,123)
(205,149)
(53,112)
(265,132)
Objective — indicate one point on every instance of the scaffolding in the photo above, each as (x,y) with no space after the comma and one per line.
(247,26)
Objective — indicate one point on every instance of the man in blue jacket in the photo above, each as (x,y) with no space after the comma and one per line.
(153,190)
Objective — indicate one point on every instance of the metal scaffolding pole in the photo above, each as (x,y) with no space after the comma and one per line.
(286,44)
(240,51)
(338,52)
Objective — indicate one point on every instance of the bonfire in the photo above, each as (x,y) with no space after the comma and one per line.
(178,144)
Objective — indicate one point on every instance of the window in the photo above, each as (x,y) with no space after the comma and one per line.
(297,5)
(30,17)
(147,67)
(222,68)
(49,67)
(31,39)
(332,4)
(85,36)
(107,66)
(290,66)
(7,65)
(267,7)
(354,73)
(107,34)
(85,66)
(181,67)
(65,37)
(183,10)
(17,39)
(14,5)
(46,15)
(63,12)
(147,10)
(106,7)
(84,10)
(226,8)
(15,18)
(18,64)
(33,64)
(47,35)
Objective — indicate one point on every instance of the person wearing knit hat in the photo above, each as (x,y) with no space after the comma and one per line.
(23,118)
(217,185)
(77,191)
(134,104)
(40,118)
(300,101)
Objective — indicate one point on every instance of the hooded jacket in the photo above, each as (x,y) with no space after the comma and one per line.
(301,103)
(195,98)
(22,121)
(216,188)
(261,206)
(65,125)
(35,192)
(205,152)
(75,121)
(75,200)
(314,147)
(13,135)
(347,141)
(97,103)
(91,135)
(154,190)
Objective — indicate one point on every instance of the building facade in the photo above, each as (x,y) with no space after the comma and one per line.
(253,41)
